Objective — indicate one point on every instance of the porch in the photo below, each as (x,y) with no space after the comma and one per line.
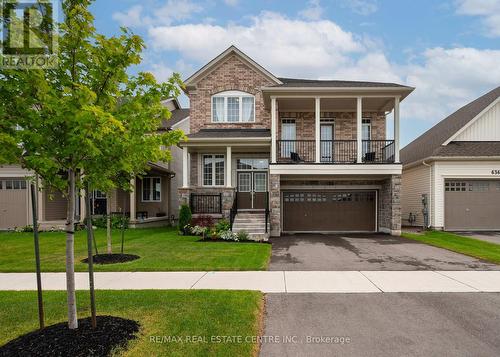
(327,128)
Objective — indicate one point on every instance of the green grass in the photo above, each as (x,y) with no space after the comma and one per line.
(160,312)
(160,249)
(468,246)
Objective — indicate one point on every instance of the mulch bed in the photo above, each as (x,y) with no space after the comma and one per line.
(58,340)
(112,258)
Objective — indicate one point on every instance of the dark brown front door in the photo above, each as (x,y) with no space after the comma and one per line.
(329,211)
(252,190)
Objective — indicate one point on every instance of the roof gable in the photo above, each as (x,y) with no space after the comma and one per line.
(427,144)
(210,66)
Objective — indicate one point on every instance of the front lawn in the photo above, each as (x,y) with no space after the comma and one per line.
(179,313)
(160,249)
(465,245)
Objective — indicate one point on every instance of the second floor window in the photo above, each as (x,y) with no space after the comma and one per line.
(233,107)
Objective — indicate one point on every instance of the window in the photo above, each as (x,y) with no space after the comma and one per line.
(151,189)
(288,135)
(213,170)
(455,186)
(366,129)
(13,185)
(252,164)
(233,107)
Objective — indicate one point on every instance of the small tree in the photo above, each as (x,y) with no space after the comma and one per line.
(184,217)
(87,121)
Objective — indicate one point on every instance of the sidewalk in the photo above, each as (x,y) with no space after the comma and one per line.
(272,281)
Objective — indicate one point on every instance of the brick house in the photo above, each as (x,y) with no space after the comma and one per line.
(281,155)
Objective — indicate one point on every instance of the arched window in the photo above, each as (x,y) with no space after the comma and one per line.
(233,107)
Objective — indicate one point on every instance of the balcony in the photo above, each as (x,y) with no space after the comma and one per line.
(335,151)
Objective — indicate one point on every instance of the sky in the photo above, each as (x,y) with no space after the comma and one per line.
(449,50)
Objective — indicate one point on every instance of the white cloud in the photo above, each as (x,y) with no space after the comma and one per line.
(446,78)
(313,11)
(361,7)
(161,14)
(231,2)
(489,10)
(130,18)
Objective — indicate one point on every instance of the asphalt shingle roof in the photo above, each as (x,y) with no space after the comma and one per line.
(177,116)
(231,133)
(430,143)
(296,82)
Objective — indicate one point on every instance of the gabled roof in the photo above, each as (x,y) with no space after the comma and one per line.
(177,116)
(213,63)
(296,82)
(431,142)
(230,133)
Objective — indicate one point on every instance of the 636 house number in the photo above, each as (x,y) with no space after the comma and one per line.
(495,172)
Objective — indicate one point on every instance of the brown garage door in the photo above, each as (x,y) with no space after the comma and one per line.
(334,211)
(472,204)
(13,203)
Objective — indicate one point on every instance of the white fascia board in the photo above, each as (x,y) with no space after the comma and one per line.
(338,89)
(462,129)
(326,169)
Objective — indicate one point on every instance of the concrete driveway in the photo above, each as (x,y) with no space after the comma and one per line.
(365,252)
(391,324)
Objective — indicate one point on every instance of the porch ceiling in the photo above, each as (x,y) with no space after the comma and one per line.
(383,104)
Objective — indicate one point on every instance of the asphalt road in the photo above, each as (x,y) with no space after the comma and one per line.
(391,324)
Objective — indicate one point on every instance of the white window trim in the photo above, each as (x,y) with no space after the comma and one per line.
(151,193)
(202,176)
(233,94)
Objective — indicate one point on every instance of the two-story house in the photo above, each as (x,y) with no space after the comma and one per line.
(303,155)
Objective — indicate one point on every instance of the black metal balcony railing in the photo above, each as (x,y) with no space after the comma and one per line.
(205,203)
(335,151)
(378,151)
(296,151)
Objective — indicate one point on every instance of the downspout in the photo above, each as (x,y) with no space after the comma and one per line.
(430,192)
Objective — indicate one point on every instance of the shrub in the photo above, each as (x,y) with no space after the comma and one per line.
(116,221)
(222,225)
(203,220)
(24,229)
(199,231)
(184,218)
(243,236)
(228,235)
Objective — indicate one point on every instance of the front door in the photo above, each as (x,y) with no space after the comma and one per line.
(326,137)
(252,190)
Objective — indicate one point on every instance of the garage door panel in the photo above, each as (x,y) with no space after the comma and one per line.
(472,204)
(329,211)
(13,203)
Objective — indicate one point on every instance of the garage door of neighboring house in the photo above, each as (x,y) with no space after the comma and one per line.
(472,204)
(13,203)
(329,211)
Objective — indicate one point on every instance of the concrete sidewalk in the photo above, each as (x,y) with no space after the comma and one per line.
(272,281)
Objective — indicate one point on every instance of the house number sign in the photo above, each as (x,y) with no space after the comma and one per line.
(495,172)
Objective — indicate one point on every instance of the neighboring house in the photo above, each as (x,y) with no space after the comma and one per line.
(313,152)
(153,203)
(456,165)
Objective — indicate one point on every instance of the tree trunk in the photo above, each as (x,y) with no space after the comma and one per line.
(108,223)
(70,255)
(37,253)
(90,236)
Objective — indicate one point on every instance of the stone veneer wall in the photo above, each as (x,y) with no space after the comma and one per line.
(231,74)
(275,205)
(390,206)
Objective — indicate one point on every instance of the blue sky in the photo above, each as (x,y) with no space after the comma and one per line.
(449,50)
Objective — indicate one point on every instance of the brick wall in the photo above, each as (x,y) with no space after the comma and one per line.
(345,124)
(231,74)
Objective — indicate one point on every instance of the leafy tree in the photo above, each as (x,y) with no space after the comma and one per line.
(88,121)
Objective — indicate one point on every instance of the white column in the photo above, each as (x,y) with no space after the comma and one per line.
(359,126)
(273,130)
(132,200)
(396,129)
(229,161)
(83,206)
(185,167)
(317,116)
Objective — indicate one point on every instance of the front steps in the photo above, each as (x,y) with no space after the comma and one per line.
(254,223)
